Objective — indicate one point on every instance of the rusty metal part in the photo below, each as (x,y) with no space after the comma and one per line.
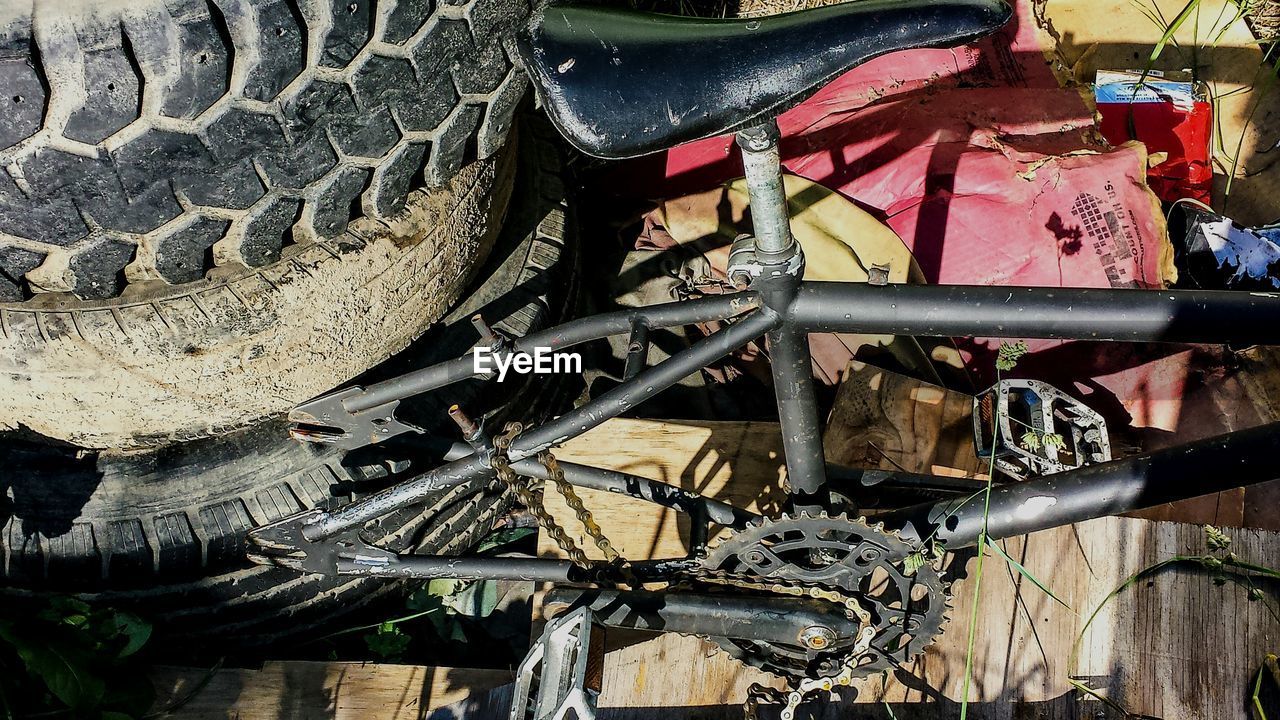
(527,497)
(525,493)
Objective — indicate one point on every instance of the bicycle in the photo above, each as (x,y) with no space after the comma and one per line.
(810,594)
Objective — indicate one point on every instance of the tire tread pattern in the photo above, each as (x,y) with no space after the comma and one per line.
(130,145)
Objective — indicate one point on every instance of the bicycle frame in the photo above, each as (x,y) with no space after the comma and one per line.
(778,304)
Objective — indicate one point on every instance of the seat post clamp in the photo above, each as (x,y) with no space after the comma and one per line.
(747,265)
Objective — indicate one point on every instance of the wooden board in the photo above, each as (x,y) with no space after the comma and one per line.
(341,691)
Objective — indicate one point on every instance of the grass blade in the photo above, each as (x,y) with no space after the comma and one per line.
(1169,32)
(1128,583)
(1256,698)
(1081,687)
(1025,572)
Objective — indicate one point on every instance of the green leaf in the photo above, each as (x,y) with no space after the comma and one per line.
(478,599)
(501,538)
(423,599)
(914,562)
(1168,34)
(1054,441)
(1024,572)
(388,642)
(1030,440)
(1215,538)
(446,587)
(65,668)
(1009,353)
(135,631)
(63,609)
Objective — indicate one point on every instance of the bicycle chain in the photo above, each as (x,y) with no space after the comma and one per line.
(502,465)
(792,699)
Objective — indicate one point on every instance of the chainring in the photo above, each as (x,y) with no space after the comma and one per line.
(869,563)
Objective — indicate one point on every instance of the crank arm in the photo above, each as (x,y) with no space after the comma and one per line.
(797,621)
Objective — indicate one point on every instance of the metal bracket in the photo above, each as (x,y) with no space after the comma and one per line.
(551,683)
(283,543)
(327,420)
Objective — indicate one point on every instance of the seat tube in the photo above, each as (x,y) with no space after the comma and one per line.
(792,366)
(789,355)
(763,166)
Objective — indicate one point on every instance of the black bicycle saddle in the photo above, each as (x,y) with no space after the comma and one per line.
(620,83)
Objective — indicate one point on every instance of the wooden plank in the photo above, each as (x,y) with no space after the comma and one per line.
(340,691)
(739,462)
(1181,647)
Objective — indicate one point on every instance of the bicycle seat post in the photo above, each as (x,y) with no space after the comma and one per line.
(773,263)
(763,165)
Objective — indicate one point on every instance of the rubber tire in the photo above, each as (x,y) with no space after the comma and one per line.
(162,532)
(179,184)
(144,133)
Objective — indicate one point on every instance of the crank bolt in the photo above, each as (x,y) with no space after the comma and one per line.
(487,335)
(468,426)
(817,637)
(755,557)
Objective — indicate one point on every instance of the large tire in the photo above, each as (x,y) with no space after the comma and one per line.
(178,254)
(162,532)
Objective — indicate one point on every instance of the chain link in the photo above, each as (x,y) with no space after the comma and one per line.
(502,465)
(579,510)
